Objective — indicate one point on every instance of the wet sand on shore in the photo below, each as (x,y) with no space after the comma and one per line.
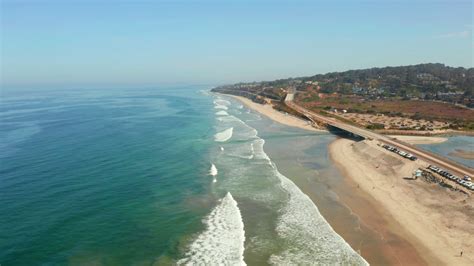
(395,218)
(350,211)
(437,222)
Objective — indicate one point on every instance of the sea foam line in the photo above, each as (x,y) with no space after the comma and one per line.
(222,242)
(309,234)
(310,238)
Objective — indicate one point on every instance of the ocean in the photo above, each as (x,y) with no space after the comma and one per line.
(160,176)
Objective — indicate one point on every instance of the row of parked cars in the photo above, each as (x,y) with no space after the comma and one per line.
(400,152)
(466,181)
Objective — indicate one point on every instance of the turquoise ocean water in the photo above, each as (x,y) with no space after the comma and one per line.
(149,176)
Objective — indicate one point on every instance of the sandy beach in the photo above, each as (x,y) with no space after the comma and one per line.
(418,223)
(293,121)
(268,111)
(420,139)
(437,222)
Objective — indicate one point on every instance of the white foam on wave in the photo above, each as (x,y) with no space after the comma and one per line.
(230,119)
(308,234)
(308,238)
(222,112)
(222,242)
(252,150)
(222,102)
(233,119)
(213,170)
(221,107)
(224,135)
(258,150)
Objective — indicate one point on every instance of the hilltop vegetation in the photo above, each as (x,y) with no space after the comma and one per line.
(432,92)
(424,81)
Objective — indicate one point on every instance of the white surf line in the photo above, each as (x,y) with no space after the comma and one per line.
(310,238)
(222,242)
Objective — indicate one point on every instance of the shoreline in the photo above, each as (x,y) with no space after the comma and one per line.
(413,209)
(277,116)
(292,121)
(405,240)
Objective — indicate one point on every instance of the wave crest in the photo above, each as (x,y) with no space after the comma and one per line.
(213,170)
(224,135)
(221,107)
(222,243)
(222,112)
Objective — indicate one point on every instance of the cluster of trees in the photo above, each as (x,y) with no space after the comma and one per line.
(424,81)
(425,78)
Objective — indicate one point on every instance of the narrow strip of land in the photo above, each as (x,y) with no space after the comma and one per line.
(453,167)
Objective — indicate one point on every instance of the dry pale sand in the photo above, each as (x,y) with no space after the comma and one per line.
(420,139)
(268,111)
(437,222)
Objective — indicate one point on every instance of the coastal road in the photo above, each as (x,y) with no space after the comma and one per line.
(453,167)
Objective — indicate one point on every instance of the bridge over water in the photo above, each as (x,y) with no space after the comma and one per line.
(337,126)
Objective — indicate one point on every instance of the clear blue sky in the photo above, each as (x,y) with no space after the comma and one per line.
(143,42)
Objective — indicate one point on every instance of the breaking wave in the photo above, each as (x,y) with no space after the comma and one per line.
(221,107)
(213,172)
(222,242)
(222,102)
(308,233)
(304,236)
(252,150)
(222,113)
(224,135)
